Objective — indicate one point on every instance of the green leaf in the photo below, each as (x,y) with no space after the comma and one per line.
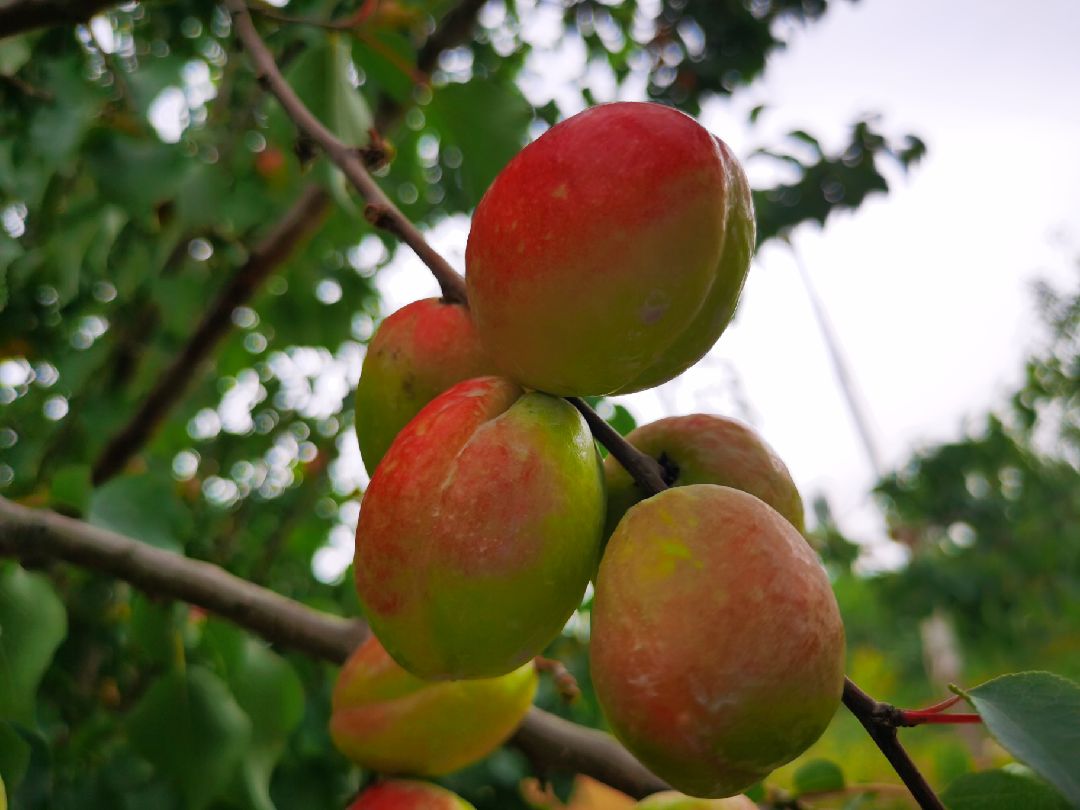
(819,776)
(143,507)
(1036,717)
(14,53)
(1001,790)
(622,420)
(487,121)
(321,77)
(71,487)
(32,625)
(191,729)
(136,173)
(14,755)
(268,689)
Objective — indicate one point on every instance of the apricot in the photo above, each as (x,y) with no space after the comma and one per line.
(608,255)
(671,800)
(390,721)
(401,794)
(706,449)
(717,645)
(480,530)
(416,354)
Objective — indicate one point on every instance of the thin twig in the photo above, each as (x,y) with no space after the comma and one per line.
(301,220)
(646,470)
(311,203)
(383,212)
(879,720)
(37,535)
(643,468)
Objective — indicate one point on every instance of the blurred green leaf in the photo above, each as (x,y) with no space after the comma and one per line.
(14,755)
(456,111)
(14,53)
(136,173)
(1001,790)
(143,507)
(191,728)
(70,487)
(1036,717)
(33,622)
(322,77)
(267,688)
(819,776)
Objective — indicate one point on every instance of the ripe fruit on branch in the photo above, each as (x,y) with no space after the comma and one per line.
(706,449)
(401,794)
(717,645)
(389,721)
(417,353)
(608,255)
(480,530)
(670,800)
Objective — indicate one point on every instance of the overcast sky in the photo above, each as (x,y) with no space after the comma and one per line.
(927,289)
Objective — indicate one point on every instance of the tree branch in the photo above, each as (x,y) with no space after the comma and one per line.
(283,238)
(380,210)
(299,222)
(19,16)
(880,721)
(38,535)
(647,472)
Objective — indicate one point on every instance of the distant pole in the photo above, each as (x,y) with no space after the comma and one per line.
(843,375)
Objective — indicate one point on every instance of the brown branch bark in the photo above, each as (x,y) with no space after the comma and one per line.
(647,472)
(283,238)
(380,210)
(20,16)
(299,222)
(38,535)
(879,719)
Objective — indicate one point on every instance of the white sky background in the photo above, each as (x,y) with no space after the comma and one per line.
(928,289)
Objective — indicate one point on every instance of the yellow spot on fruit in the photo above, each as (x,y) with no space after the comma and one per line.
(560,192)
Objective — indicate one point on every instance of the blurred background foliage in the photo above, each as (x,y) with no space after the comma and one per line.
(142,166)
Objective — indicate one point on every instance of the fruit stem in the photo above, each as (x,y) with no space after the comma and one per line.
(879,719)
(948,703)
(643,468)
(917,719)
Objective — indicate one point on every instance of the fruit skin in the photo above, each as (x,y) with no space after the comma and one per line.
(401,794)
(706,449)
(416,354)
(670,800)
(609,254)
(717,645)
(389,721)
(480,530)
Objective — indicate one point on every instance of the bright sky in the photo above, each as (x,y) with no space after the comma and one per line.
(927,289)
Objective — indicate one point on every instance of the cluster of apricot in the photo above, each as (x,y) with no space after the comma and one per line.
(606,258)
